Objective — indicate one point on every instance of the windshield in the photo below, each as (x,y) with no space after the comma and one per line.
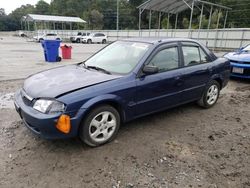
(120,57)
(247,48)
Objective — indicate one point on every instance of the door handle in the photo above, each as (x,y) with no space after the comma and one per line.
(179,80)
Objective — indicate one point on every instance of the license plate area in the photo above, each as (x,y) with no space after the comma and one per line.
(238,70)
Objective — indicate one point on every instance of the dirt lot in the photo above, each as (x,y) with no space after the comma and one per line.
(183,147)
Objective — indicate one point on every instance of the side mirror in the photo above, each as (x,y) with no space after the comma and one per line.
(149,69)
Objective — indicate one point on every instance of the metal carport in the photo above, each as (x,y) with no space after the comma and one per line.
(176,6)
(36,18)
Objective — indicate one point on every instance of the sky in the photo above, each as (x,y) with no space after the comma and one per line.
(10,5)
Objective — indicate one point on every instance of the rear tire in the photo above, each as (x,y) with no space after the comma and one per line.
(104,41)
(100,126)
(89,41)
(210,95)
(78,41)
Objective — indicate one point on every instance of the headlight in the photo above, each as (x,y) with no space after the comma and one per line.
(49,106)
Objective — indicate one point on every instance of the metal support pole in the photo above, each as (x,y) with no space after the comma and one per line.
(35,26)
(209,23)
(217,33)
(218,20)
(224,26)
(168,24)
(159,24)
(54,25)
(225,22)
(200,20)
(150,17)
(139,25)
(117,15)
(176,21)
(191,18)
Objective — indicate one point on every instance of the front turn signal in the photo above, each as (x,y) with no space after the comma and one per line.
(63,124)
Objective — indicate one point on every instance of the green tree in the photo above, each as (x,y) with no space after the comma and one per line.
(2,12)
(95,19)
(42,7)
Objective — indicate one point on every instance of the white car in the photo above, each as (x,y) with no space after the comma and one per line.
(48,36)
(78,37)
(94,38)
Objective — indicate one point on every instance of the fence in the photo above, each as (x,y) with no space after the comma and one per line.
(226,39)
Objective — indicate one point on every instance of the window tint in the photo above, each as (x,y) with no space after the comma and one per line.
(204,57)
(166,59)
(191,55)
(51,34)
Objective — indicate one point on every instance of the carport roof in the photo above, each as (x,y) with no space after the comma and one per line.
(52,18)
(174,6)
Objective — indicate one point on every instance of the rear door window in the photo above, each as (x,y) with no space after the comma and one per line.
(194,55)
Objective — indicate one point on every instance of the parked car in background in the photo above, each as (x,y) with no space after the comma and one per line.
(48,36)
(126,80)
(94,38)
(240,62)
(77,38)
(21,34)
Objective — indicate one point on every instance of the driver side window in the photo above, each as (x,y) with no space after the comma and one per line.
(166,59)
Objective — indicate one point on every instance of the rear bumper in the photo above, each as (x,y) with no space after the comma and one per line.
(245,67)
(43,125)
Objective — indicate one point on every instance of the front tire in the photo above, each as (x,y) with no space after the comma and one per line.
(100,126)
(210,95)
(89,41)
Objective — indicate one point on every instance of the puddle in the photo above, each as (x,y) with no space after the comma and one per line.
(7,100)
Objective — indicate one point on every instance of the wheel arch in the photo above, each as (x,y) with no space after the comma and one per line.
(219,79)
(110,100)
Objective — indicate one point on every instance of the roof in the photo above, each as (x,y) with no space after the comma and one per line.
(173,6)
(155,40)
(52,18)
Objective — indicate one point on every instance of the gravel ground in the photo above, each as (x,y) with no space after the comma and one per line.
(183,147)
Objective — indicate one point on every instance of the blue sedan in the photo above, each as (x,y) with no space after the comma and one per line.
(126,80)
(240,62)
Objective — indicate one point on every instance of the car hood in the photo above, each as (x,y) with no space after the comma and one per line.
(58,81)
(238,56)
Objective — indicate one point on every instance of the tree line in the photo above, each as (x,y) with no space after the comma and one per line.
(101,14)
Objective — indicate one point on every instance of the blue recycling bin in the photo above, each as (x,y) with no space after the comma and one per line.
(51,50)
